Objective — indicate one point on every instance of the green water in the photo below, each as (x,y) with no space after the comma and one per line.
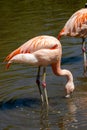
(20,105)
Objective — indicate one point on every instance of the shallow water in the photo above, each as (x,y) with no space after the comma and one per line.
(20,105)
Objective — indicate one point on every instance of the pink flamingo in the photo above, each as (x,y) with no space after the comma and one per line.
(42,51)
(76,26)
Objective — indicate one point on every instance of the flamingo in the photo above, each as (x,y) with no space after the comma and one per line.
(41,51)
(76,26)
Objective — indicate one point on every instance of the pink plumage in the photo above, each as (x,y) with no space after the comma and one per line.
(76,26)
(42,51)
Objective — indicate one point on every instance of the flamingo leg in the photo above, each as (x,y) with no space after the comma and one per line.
(38,84)
(84,54)
(44,85)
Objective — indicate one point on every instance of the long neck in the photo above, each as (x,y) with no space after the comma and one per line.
(61,72)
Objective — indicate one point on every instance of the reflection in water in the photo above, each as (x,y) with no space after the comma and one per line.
(44,118)
(27,112)
(68,120)
(24,112)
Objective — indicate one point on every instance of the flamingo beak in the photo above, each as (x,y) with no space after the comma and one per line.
(69,95)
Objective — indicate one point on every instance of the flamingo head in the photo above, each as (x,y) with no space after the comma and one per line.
(69,88)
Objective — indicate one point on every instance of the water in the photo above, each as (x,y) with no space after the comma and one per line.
(20,105)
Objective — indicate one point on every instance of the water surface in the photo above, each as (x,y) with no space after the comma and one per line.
(20,105)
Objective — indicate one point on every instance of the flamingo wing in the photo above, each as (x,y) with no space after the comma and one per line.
(34,44)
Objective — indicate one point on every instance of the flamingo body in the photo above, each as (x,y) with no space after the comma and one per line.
(76,26)
(42,51)
(41,57)
(39,51)
(34,44)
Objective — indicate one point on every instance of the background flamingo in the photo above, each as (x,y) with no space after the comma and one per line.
(42,51)
(76,26)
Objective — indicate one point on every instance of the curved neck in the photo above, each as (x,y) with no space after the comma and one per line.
(61,72)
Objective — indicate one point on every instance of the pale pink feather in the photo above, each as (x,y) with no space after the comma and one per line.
(76,25)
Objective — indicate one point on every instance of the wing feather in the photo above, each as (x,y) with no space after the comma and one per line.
(34,44)
(76,25)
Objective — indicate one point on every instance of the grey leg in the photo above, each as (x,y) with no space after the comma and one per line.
(44,85)
(84,55)
(38,84)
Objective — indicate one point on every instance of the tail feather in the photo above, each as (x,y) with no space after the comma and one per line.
(17,51)
(8,65)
